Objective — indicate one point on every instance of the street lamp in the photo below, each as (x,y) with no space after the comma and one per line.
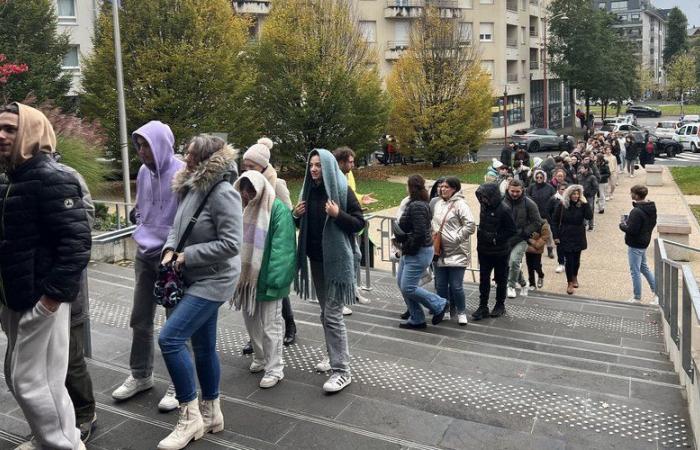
(505,115)
(561,16)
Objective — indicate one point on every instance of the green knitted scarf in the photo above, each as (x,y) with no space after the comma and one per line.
(338,262)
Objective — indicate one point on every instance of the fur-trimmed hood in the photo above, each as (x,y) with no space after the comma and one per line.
(221,164)
(566,198)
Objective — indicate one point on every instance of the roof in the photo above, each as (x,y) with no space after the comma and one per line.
(693,31)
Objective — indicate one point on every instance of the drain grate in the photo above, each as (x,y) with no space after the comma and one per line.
(613,419)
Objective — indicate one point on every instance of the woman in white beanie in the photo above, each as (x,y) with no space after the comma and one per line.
(257,158)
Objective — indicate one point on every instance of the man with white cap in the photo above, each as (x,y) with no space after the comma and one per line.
(257,158)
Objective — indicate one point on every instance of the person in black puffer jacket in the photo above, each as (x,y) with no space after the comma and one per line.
(638,228)
(604,171)
(416,255)
(45,244)
(495,231)
(590,189)
(541,193)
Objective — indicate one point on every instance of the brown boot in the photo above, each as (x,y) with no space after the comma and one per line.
(570,288)
(575,282)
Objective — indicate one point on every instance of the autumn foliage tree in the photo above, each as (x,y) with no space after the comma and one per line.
(441,96)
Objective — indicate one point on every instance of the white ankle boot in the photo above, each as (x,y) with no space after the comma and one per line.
(189,426)
(211,415)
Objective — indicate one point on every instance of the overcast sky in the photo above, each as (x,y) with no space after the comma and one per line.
(691,8)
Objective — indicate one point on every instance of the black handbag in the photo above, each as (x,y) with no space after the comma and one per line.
(169,287)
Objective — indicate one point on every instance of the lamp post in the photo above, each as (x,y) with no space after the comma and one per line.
(121,105)
(505,115)
(561,16)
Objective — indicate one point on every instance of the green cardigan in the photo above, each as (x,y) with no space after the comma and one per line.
(279,259)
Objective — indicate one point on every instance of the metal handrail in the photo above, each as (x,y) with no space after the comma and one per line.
(119,207)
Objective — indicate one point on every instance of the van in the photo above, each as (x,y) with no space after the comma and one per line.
(689,136)
(690,118)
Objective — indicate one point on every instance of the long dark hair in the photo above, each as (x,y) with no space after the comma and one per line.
(416,188)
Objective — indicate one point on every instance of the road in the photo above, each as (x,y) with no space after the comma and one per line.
(493,150)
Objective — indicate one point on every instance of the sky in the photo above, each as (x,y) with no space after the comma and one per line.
(691,8)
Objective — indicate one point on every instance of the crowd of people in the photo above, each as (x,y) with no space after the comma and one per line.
(239,238)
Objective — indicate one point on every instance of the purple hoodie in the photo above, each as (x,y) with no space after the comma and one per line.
(156,203)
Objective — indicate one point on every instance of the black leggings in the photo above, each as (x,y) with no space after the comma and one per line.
(572,264)
(498,264)
(534,265)
(287,313)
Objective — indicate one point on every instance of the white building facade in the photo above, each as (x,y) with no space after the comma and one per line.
(77,19)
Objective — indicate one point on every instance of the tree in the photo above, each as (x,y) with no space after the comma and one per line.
(441,97)
(681,75)
(182,66)
(676,35)
(28,35)
(317,85)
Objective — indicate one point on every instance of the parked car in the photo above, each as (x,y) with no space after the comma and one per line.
(688,136)
(690,118)
(540,139)
(662,145)
(618,127)
(643,111)
(667,128)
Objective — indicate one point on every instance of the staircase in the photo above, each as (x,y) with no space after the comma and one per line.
(554,373)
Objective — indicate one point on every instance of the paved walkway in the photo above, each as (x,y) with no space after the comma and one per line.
(604,267)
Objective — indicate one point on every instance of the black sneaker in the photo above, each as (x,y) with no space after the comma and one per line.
(498,310)
(86,428)
(413,326)
(437,318)
(248,349)
(405,315)
(602,211)
(290,333)
(481,313)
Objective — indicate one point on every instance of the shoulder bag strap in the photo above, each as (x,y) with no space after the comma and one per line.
(193,220)
(444,219)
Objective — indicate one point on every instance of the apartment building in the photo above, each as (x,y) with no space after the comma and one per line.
(645,26)
(77,19)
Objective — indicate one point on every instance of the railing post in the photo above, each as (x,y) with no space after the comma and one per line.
(119,217)
(686,333)
(666,268)
(673,319)
(368,281)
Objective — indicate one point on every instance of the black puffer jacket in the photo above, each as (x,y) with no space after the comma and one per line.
(415,222)
(640,224)
(568,223)
(525,215)
(496,226)
(541,193)
(45,237)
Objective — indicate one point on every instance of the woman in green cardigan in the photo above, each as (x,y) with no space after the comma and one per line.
(267,269)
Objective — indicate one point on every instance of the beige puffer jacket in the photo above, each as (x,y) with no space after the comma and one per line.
(459,225)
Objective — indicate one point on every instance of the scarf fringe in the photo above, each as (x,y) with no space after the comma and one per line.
(244,298)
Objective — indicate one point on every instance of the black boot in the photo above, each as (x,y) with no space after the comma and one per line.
(481,313)
(499,309)
(406,315)
(248,349)
(290,333)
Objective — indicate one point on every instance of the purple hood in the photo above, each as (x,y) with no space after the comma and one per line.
(156,203)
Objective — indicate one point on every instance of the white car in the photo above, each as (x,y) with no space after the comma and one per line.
(618,127)
(689,136)
(690,118)
(667,128)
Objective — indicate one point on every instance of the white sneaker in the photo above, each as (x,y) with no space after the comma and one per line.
(531,288)
(29,445)
(360,299)
(525,289)
(462,319)
(634,300)
(168,402)
(346,311)
(337,382)
(190,426)
(256,367)
(447,316)
(131,387)
(511,292)
(269,381)
(654,301)
(560,268)
(324,365)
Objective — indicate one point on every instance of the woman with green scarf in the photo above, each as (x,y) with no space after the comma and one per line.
(328,215)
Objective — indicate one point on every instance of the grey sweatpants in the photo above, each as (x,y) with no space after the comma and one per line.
(265,329)
(36,363)
(332,321)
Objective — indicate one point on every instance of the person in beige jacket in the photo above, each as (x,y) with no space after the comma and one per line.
(453,220)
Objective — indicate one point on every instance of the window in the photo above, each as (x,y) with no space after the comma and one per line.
(71,59)
(486,32)
(486,2)
(602,5)
(618,5)
(634,17)
(488,66)
(515,109)
(368,28)
(466,4)
(465,32)
(523,33)
(622,17)
(66,10)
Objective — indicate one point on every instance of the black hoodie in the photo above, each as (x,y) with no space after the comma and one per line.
(640,224)
(496,226)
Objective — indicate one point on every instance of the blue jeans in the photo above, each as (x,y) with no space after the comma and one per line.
(449,283)
(411,267)
(638,265)
(194,318)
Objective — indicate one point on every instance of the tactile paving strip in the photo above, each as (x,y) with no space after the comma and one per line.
(669,430)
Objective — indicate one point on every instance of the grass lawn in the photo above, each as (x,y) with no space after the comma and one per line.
(688,179)
(374,179)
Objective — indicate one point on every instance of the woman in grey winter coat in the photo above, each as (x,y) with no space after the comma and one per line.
(210,265)
(453,219)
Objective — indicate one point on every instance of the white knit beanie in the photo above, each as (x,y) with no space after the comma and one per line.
(267,142)
(259,154)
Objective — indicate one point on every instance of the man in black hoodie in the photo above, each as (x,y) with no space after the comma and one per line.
(638,227)
(496,229)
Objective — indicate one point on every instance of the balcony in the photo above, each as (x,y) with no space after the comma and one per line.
(534,65)
(255,7)
(535,2)
(512,78)
(512,42)
(394,50)
(408,9)
(512,5)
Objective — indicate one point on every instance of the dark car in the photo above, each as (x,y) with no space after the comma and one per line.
(539,139)
(662,145)
(643,111)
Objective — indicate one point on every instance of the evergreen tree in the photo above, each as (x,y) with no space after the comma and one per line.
(28,35)
(182,65)
(676,35)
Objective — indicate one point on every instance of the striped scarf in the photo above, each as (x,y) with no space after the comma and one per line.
(256,223)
